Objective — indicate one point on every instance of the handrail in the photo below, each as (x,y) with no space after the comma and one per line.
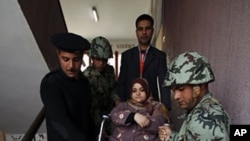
(29,135)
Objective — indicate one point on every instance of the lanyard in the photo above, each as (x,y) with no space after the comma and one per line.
(142,61)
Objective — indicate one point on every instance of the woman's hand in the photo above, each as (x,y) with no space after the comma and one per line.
(141,120)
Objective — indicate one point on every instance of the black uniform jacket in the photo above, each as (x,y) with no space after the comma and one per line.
(67,105)
(155,68)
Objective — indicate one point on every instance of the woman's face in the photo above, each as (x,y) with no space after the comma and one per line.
(138,93)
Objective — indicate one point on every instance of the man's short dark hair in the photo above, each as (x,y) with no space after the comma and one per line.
(144,17)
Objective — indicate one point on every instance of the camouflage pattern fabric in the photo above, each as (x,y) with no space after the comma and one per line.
(100,48)
(103,89)
(189,68)
(208,121)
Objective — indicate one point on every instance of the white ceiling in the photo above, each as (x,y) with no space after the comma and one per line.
(116,17)
(22,65)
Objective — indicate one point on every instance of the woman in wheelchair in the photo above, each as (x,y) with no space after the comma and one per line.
(138,118)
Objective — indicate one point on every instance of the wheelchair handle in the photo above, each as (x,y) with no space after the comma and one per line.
(105,117)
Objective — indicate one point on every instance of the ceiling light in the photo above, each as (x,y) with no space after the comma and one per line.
(96,17)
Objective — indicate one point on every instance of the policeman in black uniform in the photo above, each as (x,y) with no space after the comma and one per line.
(66,93)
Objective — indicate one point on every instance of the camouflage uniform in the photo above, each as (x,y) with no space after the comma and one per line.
(208,121)
(103,88)
(103,84)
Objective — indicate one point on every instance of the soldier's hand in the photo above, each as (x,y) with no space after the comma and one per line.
(141,120)
(164,133)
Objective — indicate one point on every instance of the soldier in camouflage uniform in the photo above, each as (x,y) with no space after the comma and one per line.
(102,79)
(205,119)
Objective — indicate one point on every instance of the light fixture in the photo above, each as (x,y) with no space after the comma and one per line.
(96,17)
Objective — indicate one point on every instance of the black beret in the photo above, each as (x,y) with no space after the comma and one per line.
(70,42)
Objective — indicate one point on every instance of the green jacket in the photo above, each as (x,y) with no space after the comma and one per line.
(208,121)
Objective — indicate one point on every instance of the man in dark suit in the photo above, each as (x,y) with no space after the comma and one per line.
(144,61)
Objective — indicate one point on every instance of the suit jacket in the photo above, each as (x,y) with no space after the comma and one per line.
(155,69)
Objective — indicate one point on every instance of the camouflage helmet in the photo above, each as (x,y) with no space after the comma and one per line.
(100,48)
(189,68)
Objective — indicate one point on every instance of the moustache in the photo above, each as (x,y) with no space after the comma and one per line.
(72,70)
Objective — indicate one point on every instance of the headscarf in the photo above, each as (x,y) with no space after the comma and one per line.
(147,103)
(144,84)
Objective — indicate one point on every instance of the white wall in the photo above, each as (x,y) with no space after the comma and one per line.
(21,70)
